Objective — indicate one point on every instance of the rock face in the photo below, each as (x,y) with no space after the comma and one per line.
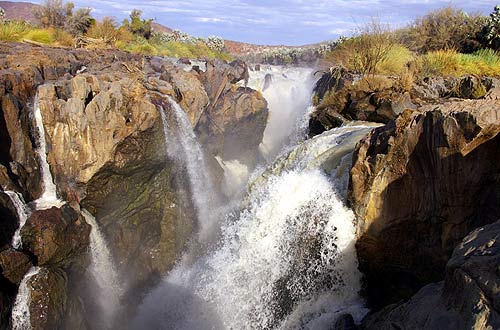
(467,299)
(418,186)
(56,236)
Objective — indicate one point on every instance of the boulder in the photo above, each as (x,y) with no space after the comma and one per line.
(235,124)
(418,185)
(467,299)
(13,265)
(56,236)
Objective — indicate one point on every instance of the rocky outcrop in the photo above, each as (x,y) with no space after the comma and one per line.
(467,299)
(56,236)
(233,123)
(376,99)
(418,186)
(340,97)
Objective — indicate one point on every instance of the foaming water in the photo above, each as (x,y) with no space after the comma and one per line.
(22,214)
(21,310)
(288,94)
(49,195)
(285,261)
(108,287)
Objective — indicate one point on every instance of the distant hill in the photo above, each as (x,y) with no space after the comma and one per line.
(19,10)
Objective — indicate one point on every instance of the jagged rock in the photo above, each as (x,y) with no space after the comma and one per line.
(56,236)
(14,265)
(220,77)
(468,298)
(235,124)
(418,186)
(379,103)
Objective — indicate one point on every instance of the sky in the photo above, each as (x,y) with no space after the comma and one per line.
(276,22)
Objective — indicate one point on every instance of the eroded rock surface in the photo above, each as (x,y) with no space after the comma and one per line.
(418,186)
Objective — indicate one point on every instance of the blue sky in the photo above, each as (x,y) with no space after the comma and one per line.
(290,22)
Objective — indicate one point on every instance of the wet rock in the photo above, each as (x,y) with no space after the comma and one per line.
(8,220)
(48,299)
(467,299)
(13,265)
(56,236)
(345,322)
(418,186)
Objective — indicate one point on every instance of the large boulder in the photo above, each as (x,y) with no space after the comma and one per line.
(234,126)
(418,186)
(469,297)
(56,236)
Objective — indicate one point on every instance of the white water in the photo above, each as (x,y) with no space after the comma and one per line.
(49,195)
(183,146)
(22,215)
(288,95)
(286,261)
(108,287)
(20,312)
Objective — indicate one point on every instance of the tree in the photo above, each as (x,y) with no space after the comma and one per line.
(2,14)
(79,22)
(53,13)
(138,26)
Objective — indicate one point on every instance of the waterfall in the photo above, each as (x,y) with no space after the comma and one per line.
(288,93)
(22,215)
(286,261)
(103,272)
(21,311)
(49,195)
(183,146)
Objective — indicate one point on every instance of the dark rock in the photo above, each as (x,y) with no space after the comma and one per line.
(13,265)
(468,298)
(418,186)
(469,87)
(56,236)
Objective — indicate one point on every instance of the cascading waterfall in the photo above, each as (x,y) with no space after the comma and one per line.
(49,195)
(288,94)
(103,271)
(22,214)
(185,148)
(286,261)
(20,311)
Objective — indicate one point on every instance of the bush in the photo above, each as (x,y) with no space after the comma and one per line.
(364,52)
(105,30)
(396,61)
(63,38)
(446,28)
(53,13)
(79,22)
(138,26)
(492,29)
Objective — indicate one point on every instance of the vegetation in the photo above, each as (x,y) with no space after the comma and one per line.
(59,24)
(446,42)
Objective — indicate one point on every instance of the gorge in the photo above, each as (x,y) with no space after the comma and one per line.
(146,192)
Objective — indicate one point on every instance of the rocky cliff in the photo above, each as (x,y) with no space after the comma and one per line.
(106,150)
(418,186)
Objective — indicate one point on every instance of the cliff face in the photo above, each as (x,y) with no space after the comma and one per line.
(419,185)
(107,153)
